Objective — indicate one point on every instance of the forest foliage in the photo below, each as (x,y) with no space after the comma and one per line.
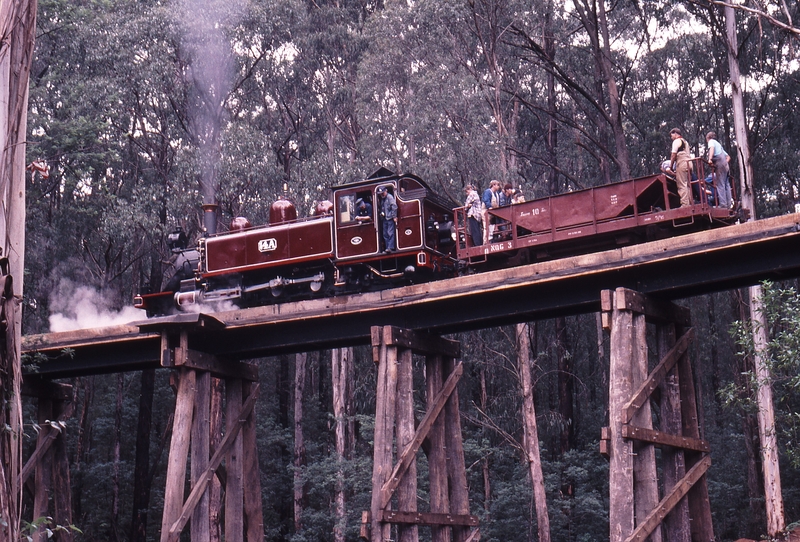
(145,109)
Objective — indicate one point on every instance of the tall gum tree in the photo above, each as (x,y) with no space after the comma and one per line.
(17,27)
(766,409)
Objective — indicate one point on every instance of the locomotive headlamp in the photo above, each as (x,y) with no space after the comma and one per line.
(177,240)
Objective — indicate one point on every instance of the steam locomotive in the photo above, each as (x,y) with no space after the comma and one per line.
(336,251)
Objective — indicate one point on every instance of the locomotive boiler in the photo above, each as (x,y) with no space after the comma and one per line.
(339,250)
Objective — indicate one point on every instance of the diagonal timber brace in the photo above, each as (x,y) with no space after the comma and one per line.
(657,376)
(422,431)
(214,463)
(670,500)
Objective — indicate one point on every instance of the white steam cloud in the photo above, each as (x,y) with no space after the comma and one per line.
(81,307)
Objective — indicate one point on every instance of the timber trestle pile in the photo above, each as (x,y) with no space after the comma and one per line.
(636,511)
(440,427)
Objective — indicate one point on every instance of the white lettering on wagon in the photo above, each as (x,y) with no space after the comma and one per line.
(498,247)
(267,245)
(536,211)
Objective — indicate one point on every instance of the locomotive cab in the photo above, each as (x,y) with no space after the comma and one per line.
(424,231)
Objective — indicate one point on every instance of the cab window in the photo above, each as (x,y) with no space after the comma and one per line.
(347,208)
(350,207)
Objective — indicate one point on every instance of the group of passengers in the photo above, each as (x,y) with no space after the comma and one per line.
(481,224)
(717,183)
(483,227)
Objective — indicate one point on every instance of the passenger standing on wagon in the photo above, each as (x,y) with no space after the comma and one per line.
(507,196)
(679,163)
(388,207)
(491,200)
(505,199)
(718,159)
(474,215)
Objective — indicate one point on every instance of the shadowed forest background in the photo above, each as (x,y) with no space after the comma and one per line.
(145,109)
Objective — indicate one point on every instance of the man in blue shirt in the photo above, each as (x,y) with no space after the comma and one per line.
(388,207)
(363,210)
(718,159)
(491,200)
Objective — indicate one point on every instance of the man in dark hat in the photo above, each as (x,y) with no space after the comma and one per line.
(363,210)
(388,207)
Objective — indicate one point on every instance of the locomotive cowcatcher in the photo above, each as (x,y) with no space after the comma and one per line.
(332,252)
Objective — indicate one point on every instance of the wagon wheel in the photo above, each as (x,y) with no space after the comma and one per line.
(276,291)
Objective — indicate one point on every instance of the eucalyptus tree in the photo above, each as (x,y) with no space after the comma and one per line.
(424,103)
(591,73)
(330,45)
(73,112)
(17,31)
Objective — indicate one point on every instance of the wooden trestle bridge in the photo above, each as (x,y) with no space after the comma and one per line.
(629,285)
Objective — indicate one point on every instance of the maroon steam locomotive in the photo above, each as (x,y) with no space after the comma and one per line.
(336,251)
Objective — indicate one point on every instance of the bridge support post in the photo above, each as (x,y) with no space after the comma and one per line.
(636,510)
(394,478)
(49,463)
(191,434)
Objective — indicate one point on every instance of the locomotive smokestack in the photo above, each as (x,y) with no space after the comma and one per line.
(210,218)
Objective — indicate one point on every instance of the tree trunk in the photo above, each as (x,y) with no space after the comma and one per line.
(342,378)
(766,417)
(299,444)
(565,388)
(84,440)
(141,480)
(615,100)
(62,498)
(713,332)
(114,520)
(593,19)
(43,478)
(552,125)
(755,490)
(487,481)
(766,408)
(17,33)
(531,432)
(215,487)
